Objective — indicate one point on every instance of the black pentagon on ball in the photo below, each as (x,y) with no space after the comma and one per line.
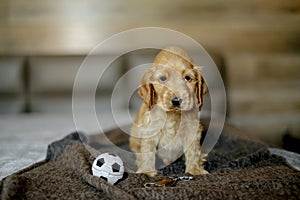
(105,178)
(100,162)
(112,154)
(116,167)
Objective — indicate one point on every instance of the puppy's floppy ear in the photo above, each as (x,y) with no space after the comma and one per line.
(146,90)
(200,88)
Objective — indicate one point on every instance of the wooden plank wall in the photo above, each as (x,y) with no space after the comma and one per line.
(259,39)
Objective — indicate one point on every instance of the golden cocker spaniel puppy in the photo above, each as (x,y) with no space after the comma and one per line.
(167,122)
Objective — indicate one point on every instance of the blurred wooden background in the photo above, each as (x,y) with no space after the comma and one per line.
(259,41)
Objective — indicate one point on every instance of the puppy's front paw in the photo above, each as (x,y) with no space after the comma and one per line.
(149,173)
(194,171)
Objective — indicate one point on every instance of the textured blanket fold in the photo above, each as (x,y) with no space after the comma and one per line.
(239,168)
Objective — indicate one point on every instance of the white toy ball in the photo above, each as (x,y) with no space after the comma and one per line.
(109,167)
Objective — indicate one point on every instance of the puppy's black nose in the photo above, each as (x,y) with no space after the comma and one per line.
(176,101)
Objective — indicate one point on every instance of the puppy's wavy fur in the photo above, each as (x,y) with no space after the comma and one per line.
(166,128)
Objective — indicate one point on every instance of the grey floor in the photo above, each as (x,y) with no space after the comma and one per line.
(24,138)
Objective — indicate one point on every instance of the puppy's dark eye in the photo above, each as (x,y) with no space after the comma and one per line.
(187,78)
(163,79)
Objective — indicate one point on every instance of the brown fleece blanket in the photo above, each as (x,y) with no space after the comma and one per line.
(239,168)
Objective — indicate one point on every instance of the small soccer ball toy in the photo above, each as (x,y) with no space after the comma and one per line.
(109,167)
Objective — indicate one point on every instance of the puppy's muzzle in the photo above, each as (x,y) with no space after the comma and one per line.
(176,101)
